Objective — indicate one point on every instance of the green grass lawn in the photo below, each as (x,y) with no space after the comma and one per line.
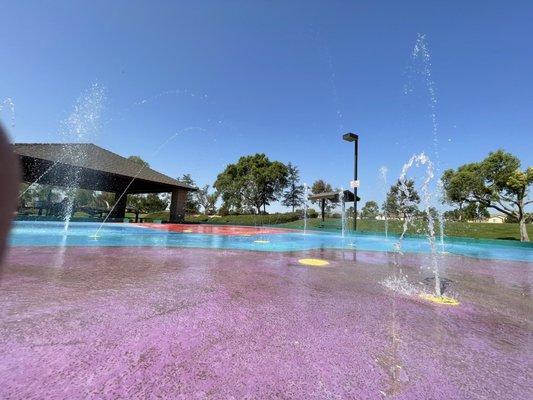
(289,220)
(458,229)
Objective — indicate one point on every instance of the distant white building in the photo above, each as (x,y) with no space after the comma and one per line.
(496,219)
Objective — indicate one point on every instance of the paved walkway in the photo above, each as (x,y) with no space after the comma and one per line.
(208,324)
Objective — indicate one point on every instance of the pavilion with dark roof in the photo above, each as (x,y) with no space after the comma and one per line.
(87,166)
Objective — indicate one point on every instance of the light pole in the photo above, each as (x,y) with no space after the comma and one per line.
(352,137)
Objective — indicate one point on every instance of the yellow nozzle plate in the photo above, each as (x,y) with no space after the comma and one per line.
(313,262)
(439,299)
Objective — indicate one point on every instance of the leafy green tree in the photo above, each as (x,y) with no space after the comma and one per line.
(47,193)
(350,211)
(402,200)
(495,182)
(154,203)
(146,203)
(294,195)
(224,210)
(423,215)
(311,213)
(191,205)
(45,196)
(27,195)
(207,200)
(254,181)
(452,215)
(104,200)
(472,212)
(84,198)
(475,212)
(370,210)
(135,201)
(513,220)
(212,203)
(138,160)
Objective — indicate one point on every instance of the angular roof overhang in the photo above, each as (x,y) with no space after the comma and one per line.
(88,166)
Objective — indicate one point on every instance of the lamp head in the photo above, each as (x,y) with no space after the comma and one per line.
(350,137)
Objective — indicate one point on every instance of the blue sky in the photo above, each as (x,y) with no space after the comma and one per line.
(283,78)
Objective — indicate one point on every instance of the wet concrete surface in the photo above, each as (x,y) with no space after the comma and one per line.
(212,324)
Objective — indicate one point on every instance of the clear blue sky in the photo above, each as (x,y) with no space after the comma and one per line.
(283,78)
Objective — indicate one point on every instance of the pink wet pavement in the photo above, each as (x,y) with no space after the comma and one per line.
(213,324)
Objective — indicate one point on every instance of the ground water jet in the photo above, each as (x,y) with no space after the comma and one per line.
(403,197)
(10,105)
(383,172)
(421,58)
(306,206)
(83,123)
(343,213)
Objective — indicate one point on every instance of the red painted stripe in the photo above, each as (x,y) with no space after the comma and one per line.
(215,229)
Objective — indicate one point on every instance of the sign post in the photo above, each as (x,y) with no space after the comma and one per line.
(352,137)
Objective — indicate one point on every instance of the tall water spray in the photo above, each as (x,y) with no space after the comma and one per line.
(383,172)
(306,206)
(405,202)
(8,104)
(82,125)
(421,57)
(343,213)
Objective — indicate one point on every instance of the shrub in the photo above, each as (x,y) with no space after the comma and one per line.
(311,213)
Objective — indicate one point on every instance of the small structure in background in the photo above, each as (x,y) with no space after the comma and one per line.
(334,197)
(496,219)
(54,164)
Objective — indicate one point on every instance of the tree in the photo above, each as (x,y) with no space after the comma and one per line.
(452,215)
(154,203)
(495,182)
(513,220)
(149,203)
(474,212)
(370,210)
(350,212)
(254,181)
(139,161)
(27,195)
(402,200)
(294,195)
(135,201)
(46,196)
(224,210)
(191,205)
(212,203)
(84,198)
(207,200)
(104,200)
